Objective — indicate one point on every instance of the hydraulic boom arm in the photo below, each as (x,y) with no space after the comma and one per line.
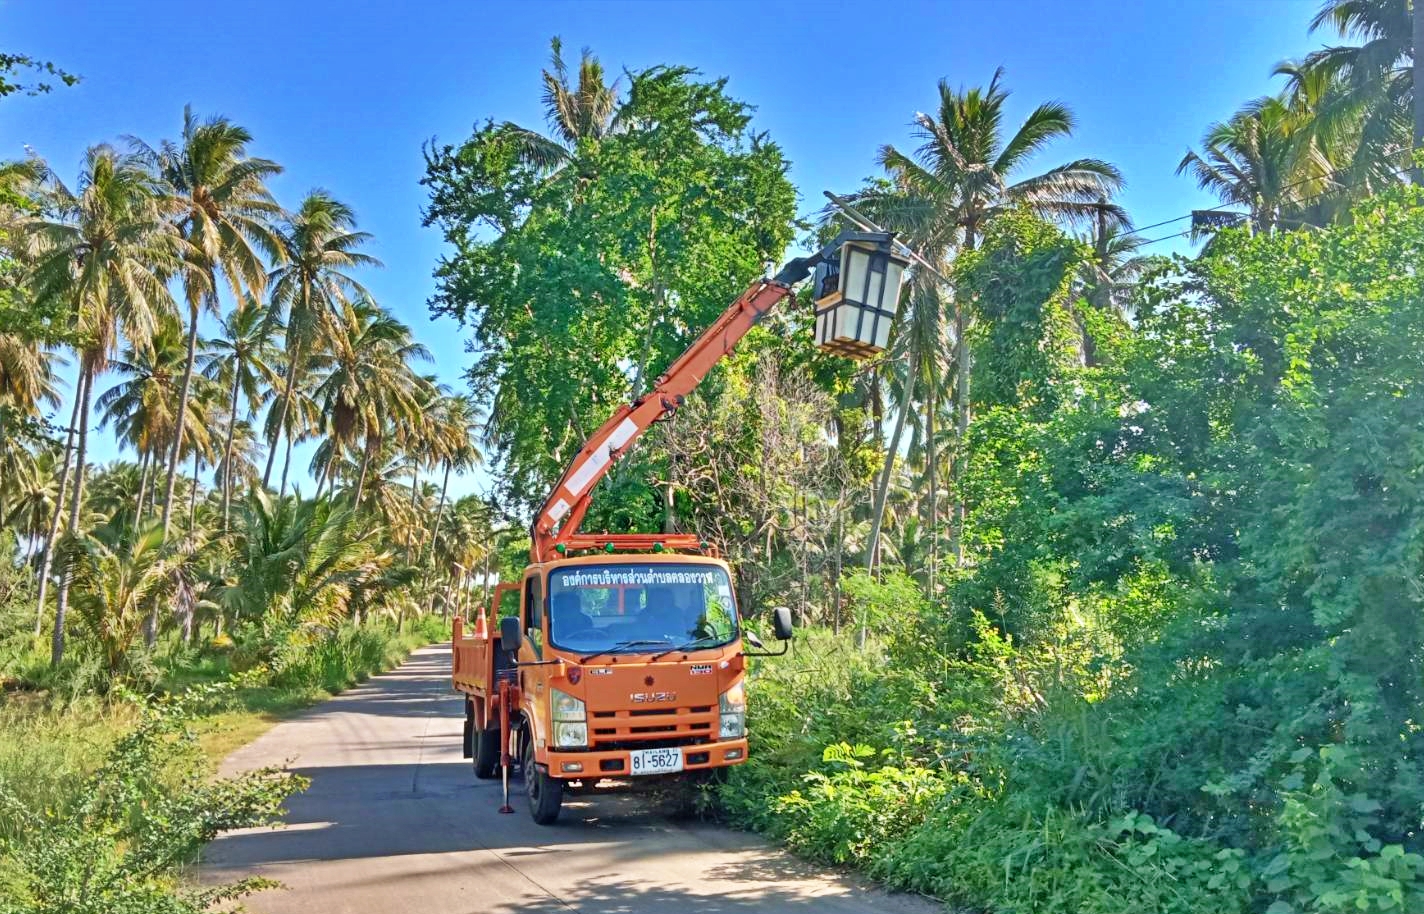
(567,504)
(557,523)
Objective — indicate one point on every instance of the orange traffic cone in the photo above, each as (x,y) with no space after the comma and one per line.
(481,629)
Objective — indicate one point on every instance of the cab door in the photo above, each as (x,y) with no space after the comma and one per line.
(533,677)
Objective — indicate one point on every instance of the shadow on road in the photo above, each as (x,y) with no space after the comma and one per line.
(395,821)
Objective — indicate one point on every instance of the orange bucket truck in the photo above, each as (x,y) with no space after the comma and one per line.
(626,656)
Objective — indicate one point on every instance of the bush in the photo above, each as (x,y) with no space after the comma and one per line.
(117,842)
(979,851)
(854,815)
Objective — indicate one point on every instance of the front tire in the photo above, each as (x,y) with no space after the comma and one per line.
(486,752)
(546,794)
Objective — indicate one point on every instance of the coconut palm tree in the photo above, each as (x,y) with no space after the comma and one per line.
(1107,279)
(1370,84)
(238,461)
(244,360)
(584,111)
(219,200)
(940,196)
(118,587)
(320,245)
(104,254)
(27,381)
(423,440)
(301,561)
(367,381)
(1266,159)
(142,407)
(457,424)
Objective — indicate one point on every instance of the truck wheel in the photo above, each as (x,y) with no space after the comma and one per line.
(546,794)
(486,751)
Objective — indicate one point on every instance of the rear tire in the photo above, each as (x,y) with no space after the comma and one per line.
(486,752)
(546,794)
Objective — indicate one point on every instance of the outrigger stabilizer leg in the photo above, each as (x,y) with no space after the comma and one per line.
(504,758)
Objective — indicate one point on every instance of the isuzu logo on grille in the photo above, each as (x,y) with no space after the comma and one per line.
(640,698)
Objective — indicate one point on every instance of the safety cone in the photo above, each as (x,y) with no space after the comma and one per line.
(481,628)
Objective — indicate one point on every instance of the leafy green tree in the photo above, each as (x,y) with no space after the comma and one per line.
(12,65)
(597,275)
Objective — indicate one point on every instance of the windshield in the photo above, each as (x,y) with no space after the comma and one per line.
(640,608)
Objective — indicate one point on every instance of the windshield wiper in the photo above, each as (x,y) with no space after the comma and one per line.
(704,641)
(622,645)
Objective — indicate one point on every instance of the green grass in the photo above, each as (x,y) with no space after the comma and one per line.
(46,749)
(52,734)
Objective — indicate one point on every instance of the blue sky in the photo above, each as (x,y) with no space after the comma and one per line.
(344,92)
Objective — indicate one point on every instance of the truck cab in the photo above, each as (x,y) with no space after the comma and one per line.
(622,667)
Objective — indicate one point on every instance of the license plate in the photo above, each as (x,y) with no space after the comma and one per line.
(655,761)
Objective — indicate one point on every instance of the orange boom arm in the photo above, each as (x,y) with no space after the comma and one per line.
(558,520)
(555,527)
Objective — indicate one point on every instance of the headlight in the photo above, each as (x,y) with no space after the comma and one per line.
(569,735)
(734,700)
(733,705)
(568,708)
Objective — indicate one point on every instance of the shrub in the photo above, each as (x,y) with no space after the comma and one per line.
(118,844)
(854,814)
(980,851)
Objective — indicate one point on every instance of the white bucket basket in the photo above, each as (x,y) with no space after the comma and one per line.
(856,299)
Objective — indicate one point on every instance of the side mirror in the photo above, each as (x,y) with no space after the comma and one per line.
(781,623)
(510,635)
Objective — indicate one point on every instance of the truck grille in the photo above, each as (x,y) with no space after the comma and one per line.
(653,727)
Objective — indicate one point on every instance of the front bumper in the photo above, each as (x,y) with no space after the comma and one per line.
(614,763)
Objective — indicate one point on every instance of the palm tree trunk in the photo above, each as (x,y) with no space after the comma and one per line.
(184,391)
(361,480)
(883,490)
(428,551)
(286,465)
(61,609)
(840,549)
(414,478)
(485,584)
(932,458)
(293,364)
(47,562)
(962,410)
(145,470)
(227,446)
(193,496)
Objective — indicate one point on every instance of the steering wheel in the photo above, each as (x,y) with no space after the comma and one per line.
(578,626)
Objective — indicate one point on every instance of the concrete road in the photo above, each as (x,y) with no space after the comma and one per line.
(395,822)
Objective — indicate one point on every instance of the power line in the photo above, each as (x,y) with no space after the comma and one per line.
(1223,208)
(1325,193)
